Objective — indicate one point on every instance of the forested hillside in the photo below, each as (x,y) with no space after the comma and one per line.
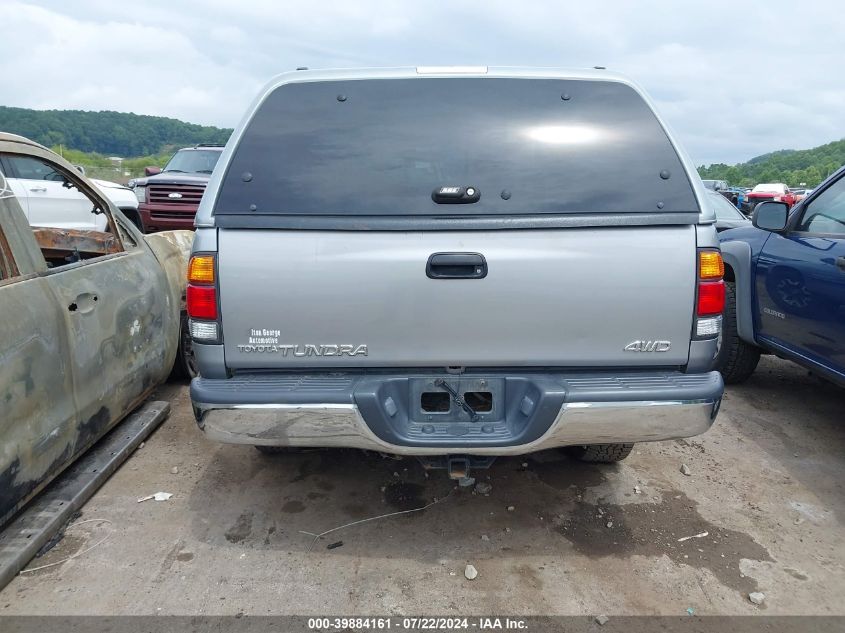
(110,133)
(793,167)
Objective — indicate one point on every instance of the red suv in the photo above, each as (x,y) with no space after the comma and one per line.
(168,198)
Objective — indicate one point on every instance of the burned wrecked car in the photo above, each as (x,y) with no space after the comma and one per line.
(89,325)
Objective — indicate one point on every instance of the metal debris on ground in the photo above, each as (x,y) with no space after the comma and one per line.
(756,597)
(77,554)
(686,470)
(334,545)
(159,496)
(699,535)
(602,620)
(470,572)
(483,488)
(380,516)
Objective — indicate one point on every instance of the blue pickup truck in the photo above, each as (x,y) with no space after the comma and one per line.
(785,286)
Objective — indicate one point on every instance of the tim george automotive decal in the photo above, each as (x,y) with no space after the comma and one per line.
(263,340)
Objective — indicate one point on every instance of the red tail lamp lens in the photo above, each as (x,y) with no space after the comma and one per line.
(202,302)
(711,298)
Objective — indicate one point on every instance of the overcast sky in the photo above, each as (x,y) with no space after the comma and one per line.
(734,79)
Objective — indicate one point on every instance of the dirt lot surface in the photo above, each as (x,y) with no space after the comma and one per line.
(553,536)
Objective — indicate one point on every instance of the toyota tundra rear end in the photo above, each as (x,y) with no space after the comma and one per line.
(455,264)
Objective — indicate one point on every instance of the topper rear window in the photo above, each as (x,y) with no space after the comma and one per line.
(381,147)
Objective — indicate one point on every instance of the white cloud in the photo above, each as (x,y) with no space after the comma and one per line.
(733,79)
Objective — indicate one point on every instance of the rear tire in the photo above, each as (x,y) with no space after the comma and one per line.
(185,365)
(600,453)
(736,360)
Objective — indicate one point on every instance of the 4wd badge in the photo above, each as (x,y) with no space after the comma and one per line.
(648,346)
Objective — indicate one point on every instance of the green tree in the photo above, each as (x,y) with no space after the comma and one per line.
(108,133)
(792,167)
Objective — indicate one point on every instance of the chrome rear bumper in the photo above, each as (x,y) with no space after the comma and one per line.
(576,423)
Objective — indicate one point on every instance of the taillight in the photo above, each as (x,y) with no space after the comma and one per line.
(201,269)
(202,302)
(201,298)
(710,301)
(710,265)
(711,298)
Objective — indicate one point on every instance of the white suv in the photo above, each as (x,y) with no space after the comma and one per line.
(48,200)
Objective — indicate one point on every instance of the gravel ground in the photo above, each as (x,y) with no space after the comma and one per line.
(552,537)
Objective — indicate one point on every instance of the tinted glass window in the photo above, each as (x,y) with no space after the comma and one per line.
(381,147)
(31,168)
(724,209)
(199,161)
(826,214)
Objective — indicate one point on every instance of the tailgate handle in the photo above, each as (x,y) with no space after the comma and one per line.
(456,266)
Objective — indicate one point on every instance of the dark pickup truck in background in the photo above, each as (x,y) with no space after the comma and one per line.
(168,198)
(734,195)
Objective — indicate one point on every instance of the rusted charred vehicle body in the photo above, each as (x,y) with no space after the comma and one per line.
(89,325)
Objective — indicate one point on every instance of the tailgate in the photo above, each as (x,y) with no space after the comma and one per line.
(561,297)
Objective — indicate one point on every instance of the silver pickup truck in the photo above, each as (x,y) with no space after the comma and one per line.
(456,264)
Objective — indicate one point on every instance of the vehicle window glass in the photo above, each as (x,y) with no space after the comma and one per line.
(768,188)
(197,161)
(31,168)
(826,214)
(724,209)
(62,245)
(382,147)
